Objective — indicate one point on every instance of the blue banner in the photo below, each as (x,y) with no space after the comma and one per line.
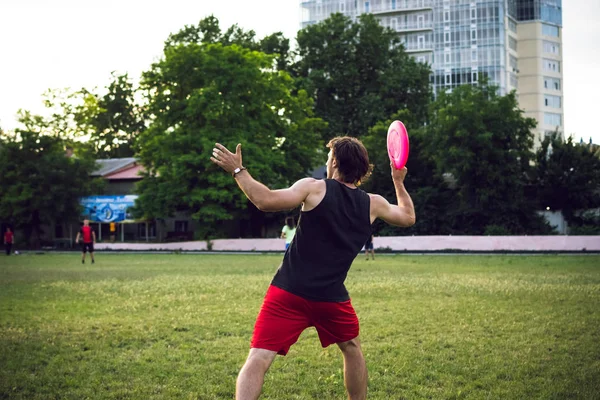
(108,208)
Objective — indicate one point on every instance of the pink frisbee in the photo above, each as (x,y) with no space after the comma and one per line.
(397,144)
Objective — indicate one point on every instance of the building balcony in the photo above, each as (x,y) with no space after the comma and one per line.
(416,49)
(414,28)
(401,6)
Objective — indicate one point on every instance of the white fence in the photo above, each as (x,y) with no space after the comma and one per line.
(394,243)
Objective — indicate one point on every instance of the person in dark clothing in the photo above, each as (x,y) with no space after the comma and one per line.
(308,288)
(369,247)
(8,241)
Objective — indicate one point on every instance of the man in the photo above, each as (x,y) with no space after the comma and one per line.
(369,247)
(8,241)
(308,288)
(89,238)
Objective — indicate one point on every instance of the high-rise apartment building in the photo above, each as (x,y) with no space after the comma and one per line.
(516,44)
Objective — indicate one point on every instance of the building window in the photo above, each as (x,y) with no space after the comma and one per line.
(393,4)
(474,76)
(552,101)
(181,226)
(446,16)
(512,26)
(551,83)
(473,55)
(513,63)
(367,6)
(447,79)
(447,57)
(549,30)
(447,37)
(514,81)
(473,34)
(552,119)
(551,65)
(151,230)
(342,7)
(512,43)
(551,47)
(394,24)
(473,13)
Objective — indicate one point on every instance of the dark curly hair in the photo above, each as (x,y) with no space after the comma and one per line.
(352,159)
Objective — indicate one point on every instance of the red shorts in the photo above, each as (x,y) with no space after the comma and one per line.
(283,316)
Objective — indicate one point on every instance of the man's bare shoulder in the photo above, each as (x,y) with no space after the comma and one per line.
(311,184)
(377,199)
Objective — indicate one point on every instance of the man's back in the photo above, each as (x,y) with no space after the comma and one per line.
(327,241)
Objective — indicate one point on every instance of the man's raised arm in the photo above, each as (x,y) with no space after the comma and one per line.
(402,214)
(261,196)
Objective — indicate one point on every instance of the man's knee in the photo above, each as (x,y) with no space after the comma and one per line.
(260,359)
(350,347)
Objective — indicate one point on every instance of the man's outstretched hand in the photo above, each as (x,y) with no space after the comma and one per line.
(226,159)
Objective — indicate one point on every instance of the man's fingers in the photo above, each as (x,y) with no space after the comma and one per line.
(218,162)
(221,147)
(238,149)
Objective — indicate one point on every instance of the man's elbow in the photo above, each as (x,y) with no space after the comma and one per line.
(410,221)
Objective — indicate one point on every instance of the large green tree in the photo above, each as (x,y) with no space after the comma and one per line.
(39,184)
(484,142)
(201,93)
(359,74)
(567,178)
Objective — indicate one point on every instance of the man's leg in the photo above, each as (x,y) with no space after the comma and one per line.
(367,254)
(355,370)
(251,377)
(92,256)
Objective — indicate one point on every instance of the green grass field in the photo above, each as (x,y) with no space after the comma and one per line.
(179,326)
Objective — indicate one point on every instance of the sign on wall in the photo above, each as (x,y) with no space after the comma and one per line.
(108,208)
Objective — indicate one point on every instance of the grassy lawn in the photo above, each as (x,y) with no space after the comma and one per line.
(179,326)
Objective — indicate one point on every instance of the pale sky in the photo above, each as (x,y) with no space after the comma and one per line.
(77,43)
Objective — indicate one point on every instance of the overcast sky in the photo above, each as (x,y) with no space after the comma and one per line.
(68,43)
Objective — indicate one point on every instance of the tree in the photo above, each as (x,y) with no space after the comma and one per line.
(208,30)
(567,178)
(202,93)
(359,74)
(112,121)
(39,184)
(483,140)
(104,125)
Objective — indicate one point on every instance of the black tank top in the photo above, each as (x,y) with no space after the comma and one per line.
(327,240)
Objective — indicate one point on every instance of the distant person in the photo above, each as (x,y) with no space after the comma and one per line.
(288,231)
(369,247)
(8,241)
(113,230)
(89,238)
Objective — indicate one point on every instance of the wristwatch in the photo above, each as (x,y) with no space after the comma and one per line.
(237,171)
